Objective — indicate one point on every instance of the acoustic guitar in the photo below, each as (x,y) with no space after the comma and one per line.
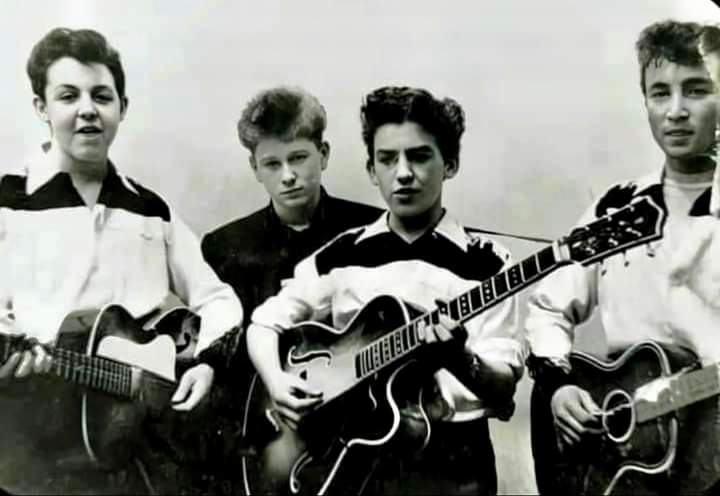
(108,374)
(652,399)
(372,372)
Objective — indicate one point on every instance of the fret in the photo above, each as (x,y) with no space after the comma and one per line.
(376,355)
(454,307)
(85,371)
(431,318)
(398,343)
(530,268)
(476,300)
(412,336)
(514,276)
(487,291)
(404,336)
(546,259)
(442,308)
(358,368)
(501,286)
(365,354)
(464,305)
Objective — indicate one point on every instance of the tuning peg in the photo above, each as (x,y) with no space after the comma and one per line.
(650,250)
(626,262)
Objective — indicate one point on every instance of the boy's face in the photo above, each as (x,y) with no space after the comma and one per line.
(290,170)
(409,169)
(82,107)
(681,107)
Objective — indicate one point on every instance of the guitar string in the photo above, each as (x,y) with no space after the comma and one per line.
(75,363)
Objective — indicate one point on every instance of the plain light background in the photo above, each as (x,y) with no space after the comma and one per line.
(550,90)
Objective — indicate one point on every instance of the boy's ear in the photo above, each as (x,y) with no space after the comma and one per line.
(124,102)
(40,107)
(451,168)
(325,152)
(370,166)
(253,166)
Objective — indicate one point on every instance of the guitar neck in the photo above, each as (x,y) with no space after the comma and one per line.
(668,394)
(403,341)
(93,372)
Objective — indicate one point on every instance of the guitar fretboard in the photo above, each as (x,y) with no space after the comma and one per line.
(90,371)
(681,391)
(402,341)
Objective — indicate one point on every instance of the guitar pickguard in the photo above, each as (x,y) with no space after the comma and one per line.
(156,356)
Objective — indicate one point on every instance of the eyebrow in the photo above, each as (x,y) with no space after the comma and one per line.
(66,86)
(420,148)
(686,82)
(697,80)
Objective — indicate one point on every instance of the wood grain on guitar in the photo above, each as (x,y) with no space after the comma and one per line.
(108,374)
(373,374)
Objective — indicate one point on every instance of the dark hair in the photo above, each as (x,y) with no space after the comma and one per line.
(85,45)
(669,40)
(283,112)
(444,119)
(709,39)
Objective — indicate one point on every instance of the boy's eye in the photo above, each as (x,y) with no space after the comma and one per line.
(419,156)
(104,97)
(699,91)
(386,158)
(299,157)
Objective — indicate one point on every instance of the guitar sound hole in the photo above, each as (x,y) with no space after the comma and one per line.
(618,416)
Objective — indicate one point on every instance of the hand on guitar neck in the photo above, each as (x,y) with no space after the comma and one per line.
(22,364)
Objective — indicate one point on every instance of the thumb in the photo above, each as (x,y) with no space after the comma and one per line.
(183,389)
(588,403)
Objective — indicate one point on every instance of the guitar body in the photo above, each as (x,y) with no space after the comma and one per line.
(50,420)
(336,446)
(627,456)
(370,373)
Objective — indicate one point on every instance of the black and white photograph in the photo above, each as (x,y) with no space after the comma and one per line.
(399,247)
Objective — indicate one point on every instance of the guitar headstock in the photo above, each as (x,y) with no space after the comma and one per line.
(641,221)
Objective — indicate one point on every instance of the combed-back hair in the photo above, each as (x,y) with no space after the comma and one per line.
(285,113)
(670,41)
(85,45)
(443,119)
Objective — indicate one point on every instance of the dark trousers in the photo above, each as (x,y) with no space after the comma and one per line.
(459,459)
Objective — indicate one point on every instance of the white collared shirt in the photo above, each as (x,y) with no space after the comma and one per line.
(363,263)
(57,255)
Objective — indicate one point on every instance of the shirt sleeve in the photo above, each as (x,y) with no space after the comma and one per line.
(194,281)
(561,301)
(307,296)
